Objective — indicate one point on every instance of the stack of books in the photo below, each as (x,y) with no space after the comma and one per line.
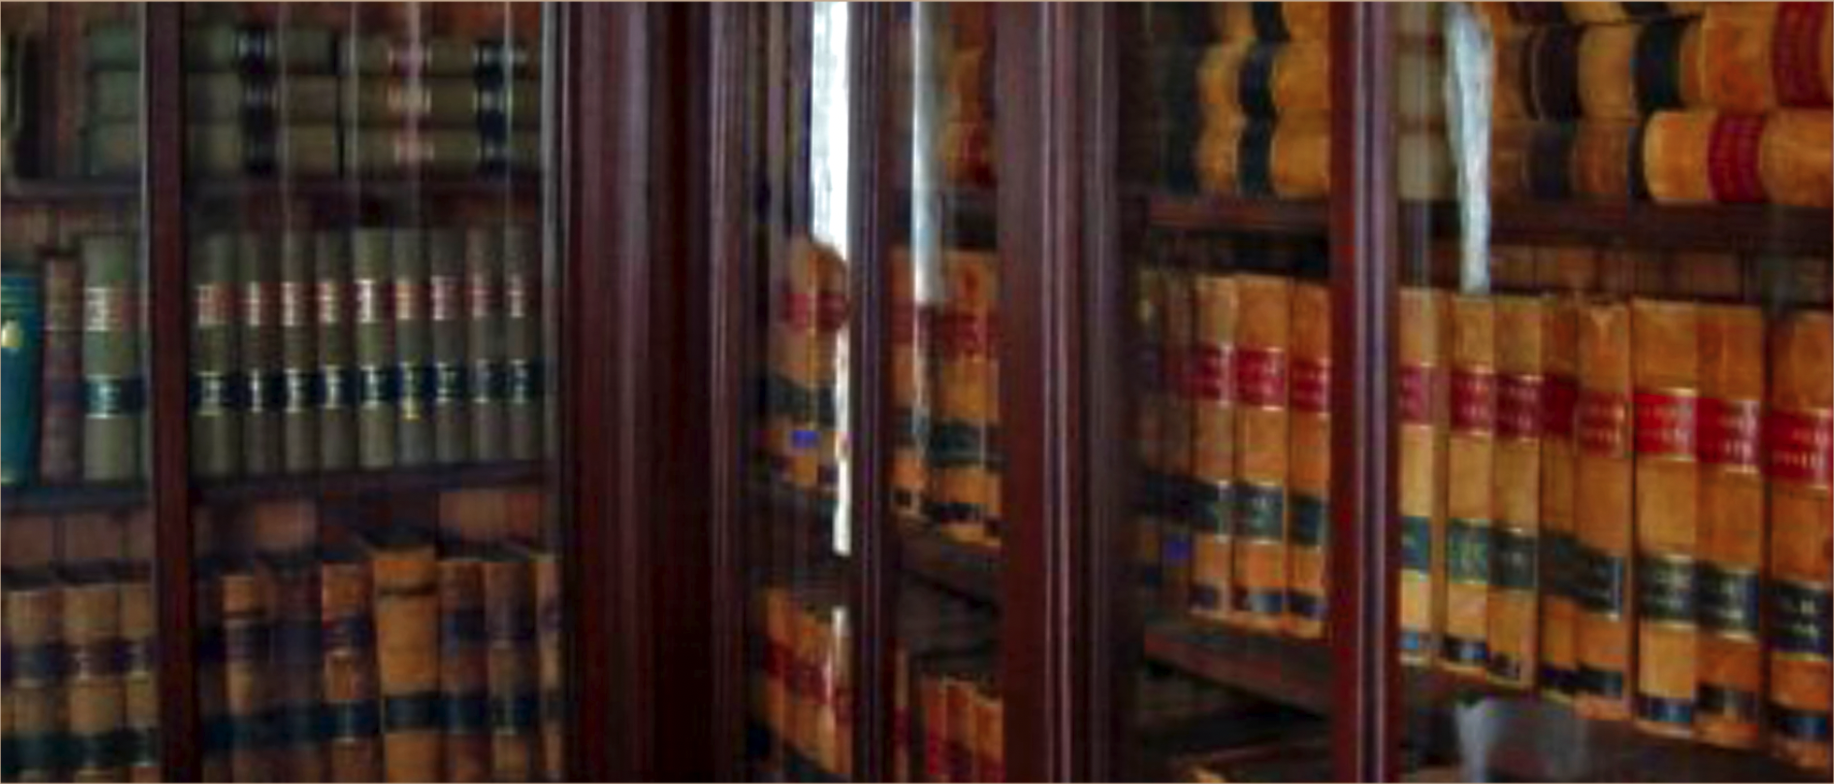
(1264,86)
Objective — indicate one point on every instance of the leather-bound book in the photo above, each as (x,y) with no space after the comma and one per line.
(216,419)
(550,636)
(1470,485)
(94,693)
(1602,521)
(1800,439)
(35,700)
(258,345)
(932,698)
(1422,392)
(1266,80)
(1288,159)
(1665,355)
(60,398)
(1758,56)
(445,317)
(908,390)
(336,373)
(212,661)
(434,56)
(1604,161)
(525,367)
(1732,524)
(962,437)
(373,306)
(413,349)
(1263,340)
(1177,457)
(1515,579)
(296,665)
(139,675)
(405,576)
(1284,21)
(1629,70)
(444,102)
(958,692)
(1593,13)
(484,342)
(830,321)
(464,678)
(513,669)
(1559,451)
(114,392)
(1205,371)
(247,625)
(990,748)
(1551,68)
(1796,157)
(298,354)
(238,96)
(1308,532)
(1704,157)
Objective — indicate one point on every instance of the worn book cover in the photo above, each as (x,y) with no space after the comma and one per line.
(446,320)
(1602,521)
(216,419)
(373,313)
(60,397)
(35,697)
(298,353)
(526,359)
(1515,580)
(513,673)
(1800,439)
(1209,414)
(336,373)
(1470,488)
(257,333)
(413,348)
(1732,524)
(95,694)
(295,667)
(1559,451)
(139,673)
(247,623)
(464,677)
(406,582)
(1308,534)
(114,394)
(1424,328)
(1263,342)
(484,342)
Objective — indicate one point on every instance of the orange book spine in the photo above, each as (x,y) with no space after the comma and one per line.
(1559,450)
(1602,514)
(1308,544)
(1423,467)
(1206,381)
(1264,339)
(1515,580)
(1470,503)
(1800,439)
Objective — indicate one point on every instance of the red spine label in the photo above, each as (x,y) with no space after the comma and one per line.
(1731,432)
(330,303)
(799,310)
(1666,423)
(831,312)
(1473,400)
(1519,406)
(1603,418)
(482,295)
(1311,392)
(1796,54)
(1732,159)
(1416,394)
(1801,446)
(442,298)
(210,305)
(1206,377)
(1260,377)
(1559,403)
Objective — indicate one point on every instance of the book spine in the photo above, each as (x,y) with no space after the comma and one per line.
(1470,502)
(773,696)
(805,677)
(910,407)
(239,96)
(296,665)
(1800,439)
(35,693)
(1602,164)
(1423,326)
(549,636)
(413,349)
(372,292)
(437,57)
(1265,80)
(212,697)
(1202,484)
(258,336)
(959,694)
(1628,70)
(830,321)
(353,724)
(960,445)
(216,388)
(446,319)
(140,679)
(1732,525)
(1308,542)
(1172,492)
(513,670)
(525,362)
(484,343)
(336,373)
(95,695)
(1280,21)
(247,644)
(1795,157)
(932,696)
(464,678)
(407,656)
(259,48)
(446,102)
(1704,157)
(113,392)
(990,737)
(60,439)
(1263,341)
(299,405)
(1559,549)
(1602,517)
(21,337)
(1513,605)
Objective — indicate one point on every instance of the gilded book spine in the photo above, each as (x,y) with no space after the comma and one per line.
(95,695)
(445,315)
(336,373)
(113,390)
(1308,534)
(1205,490)
(216,432)
(513,670)
(525,363)
(1666,371)
(372,280)
(258,339)
(353,724)
(60,436)
(1423,470)
(139,674)
(298,354)
(484,342)
(1470,489)
(407,657)
(1515,580)
(1602,518)
(1800,439)
(413,349)
(35,694)
(1559,550)
(464,677)
(1263,340)
(1732,525)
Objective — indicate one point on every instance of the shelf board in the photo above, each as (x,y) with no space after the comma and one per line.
(1191,212)
(62,191)
(973,572)
(72,499)
(1279,669)
(404,481)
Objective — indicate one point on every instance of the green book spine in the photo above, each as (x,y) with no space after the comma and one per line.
(216,418)
(516,103)
(379,152)
(223,47)
(225,149)
(296,662)
(444,56)
(112,149)
(298,354)
(515,694)
(413,350)
(113,391)
(336,377)
(114,95)
(35,693)
(484,344)
(112,45)
(372,276)
(60,422)
(95,694)
(21,332)
(231,97)
(525,371)
(258,338)
(445,313)
(464,681)
(445,102)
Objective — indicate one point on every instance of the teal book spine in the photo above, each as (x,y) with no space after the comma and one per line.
(21,332)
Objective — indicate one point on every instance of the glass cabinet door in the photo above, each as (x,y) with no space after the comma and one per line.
(372,258)
(1613,388)
(80,689)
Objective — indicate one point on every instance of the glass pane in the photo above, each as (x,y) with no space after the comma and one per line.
(1615,389)
(799,639)
(945,279)
(80,692)
(1224,166)
(370,253)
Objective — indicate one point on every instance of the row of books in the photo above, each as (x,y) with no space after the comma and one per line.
(803,690)
(371,348)
(806,328)
(1265,99)
(306,48)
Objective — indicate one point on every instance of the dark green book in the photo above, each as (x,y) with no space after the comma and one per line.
(258,337)
(484,340)
(337,370)
(446,317)
(112,45)
(114,96)
(21,333)
(442,102)
(219,149)
(372,278)
(240,96)
(114,392)
(413,350)
(440,56)
(392,152)
(227,47)
(298,354)
(525,368)
(216,386)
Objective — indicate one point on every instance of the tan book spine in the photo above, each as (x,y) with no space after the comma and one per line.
(1665,356)
(35,694)
(1796,157)
(1602,513)
(95,695)
(1423,379)
(551,664)
(909,369)
(1308,543)
(407,657)
(1263,470)
(1732,525)
(1515,580)
(139,628)
(1470,488)
(779,662)
(515,699)
(1800,438)
(1559,451)
(932,698)
(352,748)
(959,693)
(990,749)
(464,677)
(806,647)
(1209,401)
